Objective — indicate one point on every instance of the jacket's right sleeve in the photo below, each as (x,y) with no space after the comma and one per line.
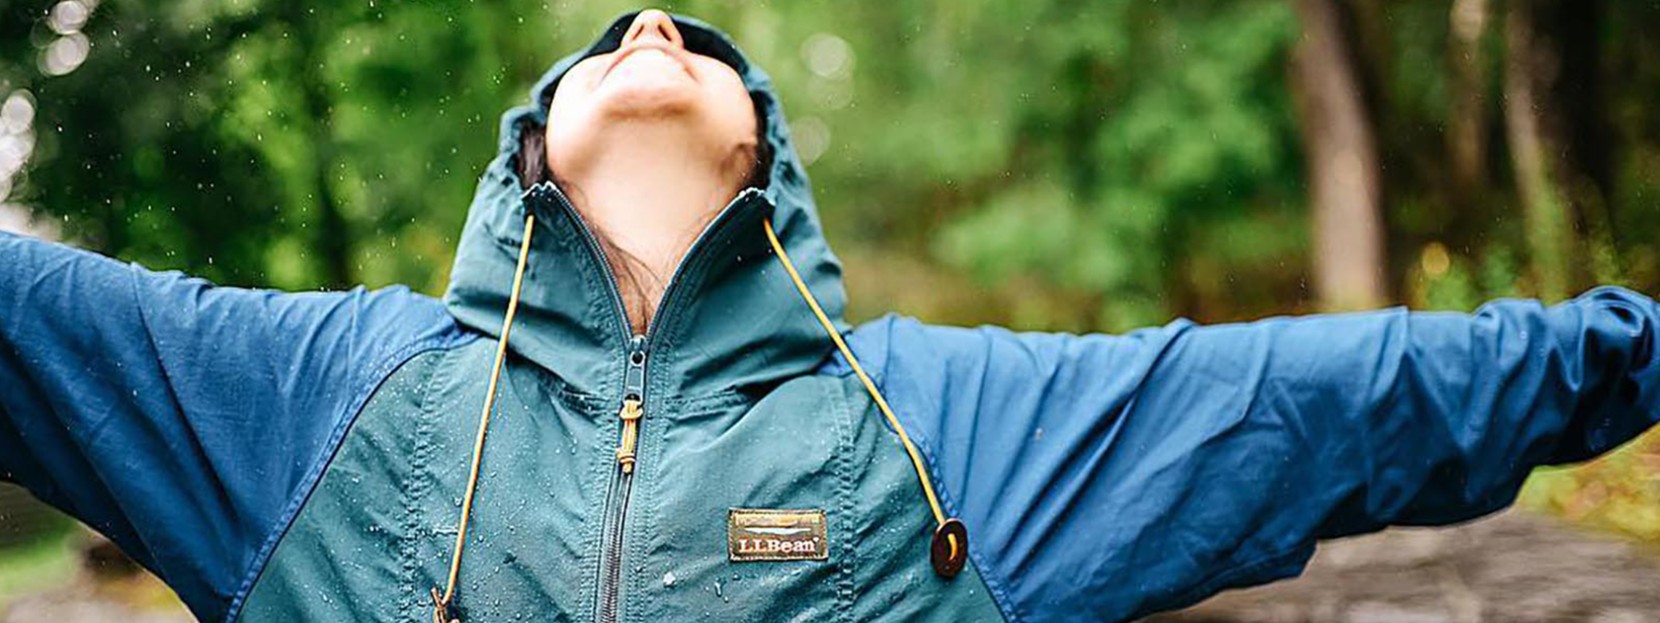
(1108,477)
(183,420)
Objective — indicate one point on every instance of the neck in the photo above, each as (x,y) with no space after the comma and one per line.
(648,196)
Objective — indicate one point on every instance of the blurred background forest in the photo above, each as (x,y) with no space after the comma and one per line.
(1045,164)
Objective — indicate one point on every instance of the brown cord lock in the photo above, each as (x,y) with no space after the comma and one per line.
(949,550)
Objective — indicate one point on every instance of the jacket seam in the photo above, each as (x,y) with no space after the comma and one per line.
(846,487)
(419,482)
(313,476)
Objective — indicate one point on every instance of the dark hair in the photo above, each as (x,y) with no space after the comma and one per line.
(531,164)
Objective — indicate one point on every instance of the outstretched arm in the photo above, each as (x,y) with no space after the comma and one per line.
(179,418)
(1107,477)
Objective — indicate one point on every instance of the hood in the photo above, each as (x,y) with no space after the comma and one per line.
(730,319)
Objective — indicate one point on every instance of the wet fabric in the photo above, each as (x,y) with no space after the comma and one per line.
(182,420)
(303,456)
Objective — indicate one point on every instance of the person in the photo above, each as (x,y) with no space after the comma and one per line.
(678,424)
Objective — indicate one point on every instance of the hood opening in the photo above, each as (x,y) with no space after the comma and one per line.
(566,323)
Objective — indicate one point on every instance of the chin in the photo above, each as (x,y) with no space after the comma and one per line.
(647,100)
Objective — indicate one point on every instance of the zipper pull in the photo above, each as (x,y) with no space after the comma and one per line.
(630,416)
(633,407)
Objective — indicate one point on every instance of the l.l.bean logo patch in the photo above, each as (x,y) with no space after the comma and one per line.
(765,534)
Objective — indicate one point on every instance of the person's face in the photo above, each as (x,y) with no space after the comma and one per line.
(651,78)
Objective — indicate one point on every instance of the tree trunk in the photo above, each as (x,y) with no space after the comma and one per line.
(1553,121)
(1467,105)
(1342,155)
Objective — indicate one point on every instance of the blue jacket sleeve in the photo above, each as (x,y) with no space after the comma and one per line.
(1108,477)
(184,420)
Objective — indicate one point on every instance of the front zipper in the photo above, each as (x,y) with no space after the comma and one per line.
(633,406)
(622,483)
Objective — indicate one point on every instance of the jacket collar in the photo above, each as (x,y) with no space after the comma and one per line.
(730,318)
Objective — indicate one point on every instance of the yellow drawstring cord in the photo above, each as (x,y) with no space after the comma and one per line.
(441,602)
(944,526)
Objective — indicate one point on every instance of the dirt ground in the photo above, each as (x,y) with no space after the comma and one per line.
(138,599)
(1515,568)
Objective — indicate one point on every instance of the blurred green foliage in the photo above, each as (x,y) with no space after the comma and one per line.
(1079,150)
(1049,164)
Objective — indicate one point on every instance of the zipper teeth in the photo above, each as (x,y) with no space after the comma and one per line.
(613,559)
(606,600)
(598,252)
(669,291)
(610,580)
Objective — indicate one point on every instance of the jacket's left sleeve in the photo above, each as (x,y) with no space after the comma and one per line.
(1108,477)
(185,421)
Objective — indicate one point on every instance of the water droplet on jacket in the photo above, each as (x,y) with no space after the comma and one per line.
(668,580)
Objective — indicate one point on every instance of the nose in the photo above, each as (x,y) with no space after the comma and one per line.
(653,24)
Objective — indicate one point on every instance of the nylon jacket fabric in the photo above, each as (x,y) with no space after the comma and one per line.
(302,456)
(181,419)
(1109,477)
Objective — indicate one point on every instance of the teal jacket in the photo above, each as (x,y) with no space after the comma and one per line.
(305,457)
